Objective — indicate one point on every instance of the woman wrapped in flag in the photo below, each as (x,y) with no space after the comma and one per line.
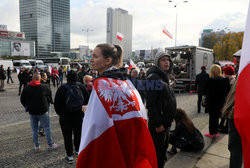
(114,130)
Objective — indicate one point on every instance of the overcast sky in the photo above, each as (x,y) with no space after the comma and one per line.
(149,17)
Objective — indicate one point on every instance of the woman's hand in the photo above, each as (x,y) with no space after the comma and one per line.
(84,107)
(160,129)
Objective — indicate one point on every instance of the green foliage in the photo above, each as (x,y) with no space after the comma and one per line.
(210,40)
(228,45)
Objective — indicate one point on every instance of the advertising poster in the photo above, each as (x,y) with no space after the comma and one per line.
(20,49)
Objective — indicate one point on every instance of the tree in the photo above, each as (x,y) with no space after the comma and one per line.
(228,45)
(210,40)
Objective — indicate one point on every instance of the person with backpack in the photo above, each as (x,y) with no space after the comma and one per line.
(69,99)
(161,104)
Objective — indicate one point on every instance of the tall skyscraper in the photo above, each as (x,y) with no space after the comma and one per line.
(47,22)
(119,21)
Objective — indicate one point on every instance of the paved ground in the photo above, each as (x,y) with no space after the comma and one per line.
(16,146)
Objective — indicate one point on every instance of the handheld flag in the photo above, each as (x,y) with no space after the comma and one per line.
(50,69)
(166,32)
(131,64)
(242,96)
(119,36)
(17,71)
(234,61)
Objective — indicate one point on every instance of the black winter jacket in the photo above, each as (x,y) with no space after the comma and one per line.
(60,102)
(36,99)
(2,74)
(200,81)
(161,102)
(23,77)
(216,90)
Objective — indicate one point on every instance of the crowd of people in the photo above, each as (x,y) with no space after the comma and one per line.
(104,108)
(216,92)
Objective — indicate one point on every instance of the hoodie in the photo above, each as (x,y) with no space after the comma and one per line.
(161,102)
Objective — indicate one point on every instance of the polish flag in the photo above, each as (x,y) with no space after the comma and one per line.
(242,96)
(114,130)
(119,36)
(17,71)
(50,69)
(165,31)
(131,64)
(234,61)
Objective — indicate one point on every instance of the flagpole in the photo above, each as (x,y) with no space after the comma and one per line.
(175,26)
(176,17)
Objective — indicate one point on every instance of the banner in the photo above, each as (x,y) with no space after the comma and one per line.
(20,49)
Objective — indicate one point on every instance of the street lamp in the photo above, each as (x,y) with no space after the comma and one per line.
(87,30)
(175,5)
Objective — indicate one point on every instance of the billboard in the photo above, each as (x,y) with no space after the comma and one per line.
(20,49)
(3,27)
(11,34)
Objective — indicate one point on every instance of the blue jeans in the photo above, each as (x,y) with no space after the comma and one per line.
(45,123)
(40,126)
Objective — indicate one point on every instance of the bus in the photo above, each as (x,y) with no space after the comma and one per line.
(56,62)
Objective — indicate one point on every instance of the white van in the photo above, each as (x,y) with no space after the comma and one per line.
(6,64)
(21,63)
(37,64)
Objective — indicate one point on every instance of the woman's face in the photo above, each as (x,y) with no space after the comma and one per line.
(99,63)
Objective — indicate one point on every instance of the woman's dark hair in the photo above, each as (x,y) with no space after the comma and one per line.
(113,51)
(71,77)
(181,116)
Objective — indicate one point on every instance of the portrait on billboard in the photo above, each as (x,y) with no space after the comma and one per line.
(20,49)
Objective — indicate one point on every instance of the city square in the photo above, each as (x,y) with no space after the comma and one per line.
(17,149)
(141,84)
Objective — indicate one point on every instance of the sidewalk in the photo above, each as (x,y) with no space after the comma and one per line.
(214,155)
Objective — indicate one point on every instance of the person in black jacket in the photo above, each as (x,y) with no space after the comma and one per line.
(23,79)
(216,88)
(35,98)
(9,75)
(200,82)
(70,120)
(2,78)
(185,136)
(161,104)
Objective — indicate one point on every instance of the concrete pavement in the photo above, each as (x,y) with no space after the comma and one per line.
(214,155)
(17,150)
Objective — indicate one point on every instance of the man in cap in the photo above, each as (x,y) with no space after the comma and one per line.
(200,82)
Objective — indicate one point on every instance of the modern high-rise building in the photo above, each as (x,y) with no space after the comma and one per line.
(47,22)
(119,21)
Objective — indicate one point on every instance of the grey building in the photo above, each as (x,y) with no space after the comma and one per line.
(47,22)
(14,43)
(118,20)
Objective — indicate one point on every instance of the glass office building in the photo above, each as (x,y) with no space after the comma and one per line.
(61,25)
(47,22)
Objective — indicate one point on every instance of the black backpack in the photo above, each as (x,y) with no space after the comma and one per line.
(74,97)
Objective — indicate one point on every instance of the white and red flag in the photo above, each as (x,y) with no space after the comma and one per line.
(242,96)
(166,32)
(114,131)
(131,64)
(119,36)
